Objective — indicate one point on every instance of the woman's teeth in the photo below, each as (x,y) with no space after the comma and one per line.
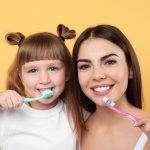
(102,89)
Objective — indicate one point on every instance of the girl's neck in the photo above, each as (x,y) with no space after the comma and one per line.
(40,106)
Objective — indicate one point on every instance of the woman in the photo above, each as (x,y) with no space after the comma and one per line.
(105,65)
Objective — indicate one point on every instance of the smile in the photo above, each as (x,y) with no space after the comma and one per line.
(101,89)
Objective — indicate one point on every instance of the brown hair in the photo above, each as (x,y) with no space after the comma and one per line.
(41,46)
(113,34)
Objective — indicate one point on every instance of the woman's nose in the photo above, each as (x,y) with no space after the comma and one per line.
(98,73)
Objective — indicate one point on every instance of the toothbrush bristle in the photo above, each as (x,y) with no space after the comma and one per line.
(47,93)
(108,101)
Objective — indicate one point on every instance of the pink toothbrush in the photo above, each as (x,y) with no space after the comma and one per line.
(110,104)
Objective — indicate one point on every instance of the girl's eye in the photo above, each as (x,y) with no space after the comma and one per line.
(32,70)
(84,67)
(53,68)
(110,62)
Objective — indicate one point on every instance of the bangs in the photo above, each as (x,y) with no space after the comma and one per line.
(41,48)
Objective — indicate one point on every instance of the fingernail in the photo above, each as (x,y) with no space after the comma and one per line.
(134,124)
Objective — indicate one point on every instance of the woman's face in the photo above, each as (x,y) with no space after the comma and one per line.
(102,70)
(38,76)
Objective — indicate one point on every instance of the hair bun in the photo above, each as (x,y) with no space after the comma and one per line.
(65,33)
(15,38)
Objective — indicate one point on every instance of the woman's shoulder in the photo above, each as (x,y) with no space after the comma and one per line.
(142,113)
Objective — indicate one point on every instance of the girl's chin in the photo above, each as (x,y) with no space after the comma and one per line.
(45,101)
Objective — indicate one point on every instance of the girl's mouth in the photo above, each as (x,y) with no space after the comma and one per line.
(44,89)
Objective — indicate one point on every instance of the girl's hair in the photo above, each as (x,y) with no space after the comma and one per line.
(41,46)
(114,35)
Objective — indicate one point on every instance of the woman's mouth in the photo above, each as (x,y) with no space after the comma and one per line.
(102,90)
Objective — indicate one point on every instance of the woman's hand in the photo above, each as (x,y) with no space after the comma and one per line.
(10,99)
(144,125)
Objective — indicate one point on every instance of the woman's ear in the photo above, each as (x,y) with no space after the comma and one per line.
(130,74)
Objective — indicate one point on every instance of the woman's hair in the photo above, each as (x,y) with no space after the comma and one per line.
(114,35)
(42,46)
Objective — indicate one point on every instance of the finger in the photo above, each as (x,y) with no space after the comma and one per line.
(9,103)
(147,127)
(141,122)
(19,100)
(15,100)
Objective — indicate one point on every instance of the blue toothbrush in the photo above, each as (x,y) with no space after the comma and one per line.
(45,94)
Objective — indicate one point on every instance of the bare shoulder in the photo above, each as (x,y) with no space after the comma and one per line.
(147,145)
(142,113)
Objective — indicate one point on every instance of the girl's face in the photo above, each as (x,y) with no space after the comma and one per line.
(102,70)
(38,76)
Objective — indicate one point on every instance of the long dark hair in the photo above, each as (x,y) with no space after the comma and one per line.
(114,35)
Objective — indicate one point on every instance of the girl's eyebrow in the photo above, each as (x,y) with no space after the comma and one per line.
(102,58)
(29,67)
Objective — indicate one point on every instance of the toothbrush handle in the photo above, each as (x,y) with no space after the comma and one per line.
(26,100)
(132,117)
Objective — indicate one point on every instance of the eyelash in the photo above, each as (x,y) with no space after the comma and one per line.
(53,68)
(84,67)
(32,70)
(110,62)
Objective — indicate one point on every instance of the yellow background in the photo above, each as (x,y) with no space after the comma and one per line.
(30,16)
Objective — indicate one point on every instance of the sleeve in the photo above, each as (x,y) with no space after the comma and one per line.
(1,124)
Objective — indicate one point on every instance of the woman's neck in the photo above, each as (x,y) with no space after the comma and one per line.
(106,115)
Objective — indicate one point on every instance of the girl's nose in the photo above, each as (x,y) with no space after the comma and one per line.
(44,77)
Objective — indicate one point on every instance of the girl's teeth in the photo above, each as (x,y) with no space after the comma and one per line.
(101,89)
(42,90)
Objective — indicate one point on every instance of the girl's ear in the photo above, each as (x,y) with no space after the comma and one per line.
(130,74)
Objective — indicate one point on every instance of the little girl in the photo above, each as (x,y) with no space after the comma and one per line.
(42,62)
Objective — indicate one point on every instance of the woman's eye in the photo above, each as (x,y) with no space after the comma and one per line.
(32,70)
(110,62)
(83,67)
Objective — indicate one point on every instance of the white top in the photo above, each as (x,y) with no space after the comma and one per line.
(141,142)
(26,128)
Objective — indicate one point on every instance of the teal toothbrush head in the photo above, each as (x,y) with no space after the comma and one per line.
(45,94)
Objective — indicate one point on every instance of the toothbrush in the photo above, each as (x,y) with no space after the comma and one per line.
(110,104)
(45,94)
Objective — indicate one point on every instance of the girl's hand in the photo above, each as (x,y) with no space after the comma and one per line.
(10,99)
(144,125)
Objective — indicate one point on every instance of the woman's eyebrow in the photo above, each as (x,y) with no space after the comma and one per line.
(102,58)
(109,55)
(83,60)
